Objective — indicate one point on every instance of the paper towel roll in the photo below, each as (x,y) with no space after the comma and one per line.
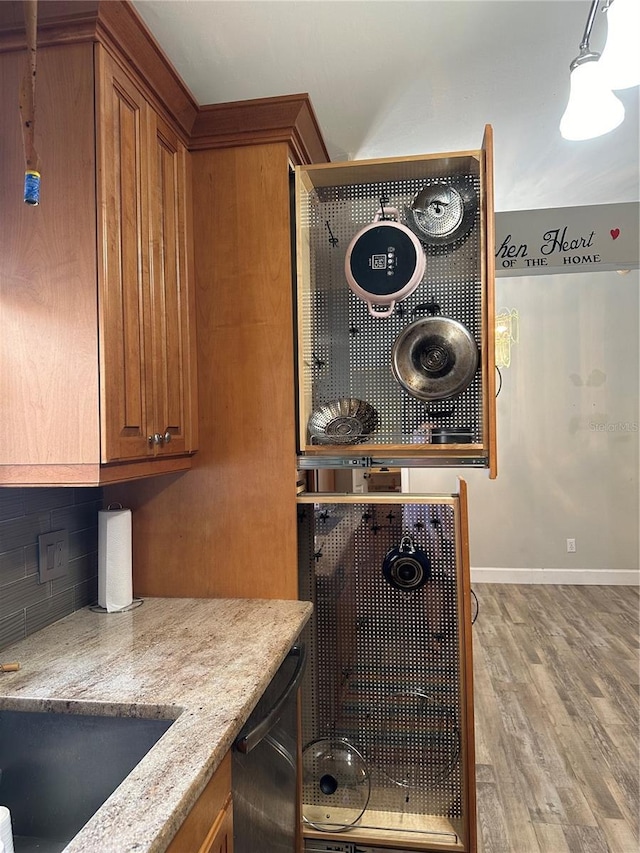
(6,832)
(115,584)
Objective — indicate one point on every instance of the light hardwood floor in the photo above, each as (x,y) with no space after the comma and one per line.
(556,704)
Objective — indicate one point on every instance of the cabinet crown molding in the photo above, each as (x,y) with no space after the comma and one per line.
(117,25)
(286,118)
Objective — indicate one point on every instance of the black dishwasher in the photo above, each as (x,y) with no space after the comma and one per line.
(264,766)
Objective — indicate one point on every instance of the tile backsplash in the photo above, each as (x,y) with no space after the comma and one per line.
(25,604)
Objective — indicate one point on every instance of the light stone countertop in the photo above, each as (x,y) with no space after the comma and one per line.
(203,662)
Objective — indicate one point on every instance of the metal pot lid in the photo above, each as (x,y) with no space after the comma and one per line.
(434,358)
(416,739)
(344,421)
(441,213)
(336,784)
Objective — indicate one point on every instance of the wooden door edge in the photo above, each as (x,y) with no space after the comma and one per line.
(469,790)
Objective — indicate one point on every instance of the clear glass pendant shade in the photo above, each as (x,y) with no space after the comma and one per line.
(620,61)
(593,109)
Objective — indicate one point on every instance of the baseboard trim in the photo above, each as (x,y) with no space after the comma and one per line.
(601,577)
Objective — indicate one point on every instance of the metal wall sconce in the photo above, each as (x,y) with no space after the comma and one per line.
(507,333)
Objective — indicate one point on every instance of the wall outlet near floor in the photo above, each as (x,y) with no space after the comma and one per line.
(53,555)
(571,546)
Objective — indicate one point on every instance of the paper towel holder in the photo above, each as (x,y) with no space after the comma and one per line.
(110,596)
(95,608)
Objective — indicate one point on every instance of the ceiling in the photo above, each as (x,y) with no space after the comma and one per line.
(389,78)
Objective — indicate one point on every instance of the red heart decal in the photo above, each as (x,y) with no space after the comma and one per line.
(615,233)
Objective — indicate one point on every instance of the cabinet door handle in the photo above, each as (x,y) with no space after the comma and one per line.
(156,438)
(167,437)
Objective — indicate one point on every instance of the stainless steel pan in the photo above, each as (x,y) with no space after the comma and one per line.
(434,357)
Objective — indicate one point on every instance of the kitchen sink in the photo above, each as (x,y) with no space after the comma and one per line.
(57,769)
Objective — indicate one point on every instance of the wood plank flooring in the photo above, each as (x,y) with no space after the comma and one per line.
(557,718)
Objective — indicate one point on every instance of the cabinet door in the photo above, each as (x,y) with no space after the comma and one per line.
(49,393)
(171,299)
(123,273)
(208,828)
(220,837)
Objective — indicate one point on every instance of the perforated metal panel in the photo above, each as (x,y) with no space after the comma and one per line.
(345,351)
(385,666)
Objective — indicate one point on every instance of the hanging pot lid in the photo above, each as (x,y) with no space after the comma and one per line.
(344,421)
(442,213)
(336,784)
(416,740)
(434,358)
(385,262)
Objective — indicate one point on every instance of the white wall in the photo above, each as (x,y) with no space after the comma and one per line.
(568,439)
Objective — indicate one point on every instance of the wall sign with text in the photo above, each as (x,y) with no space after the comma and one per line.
(567,239)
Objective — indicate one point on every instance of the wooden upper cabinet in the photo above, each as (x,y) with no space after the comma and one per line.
(172,301)
(123,269)
(147,373)
(97,352)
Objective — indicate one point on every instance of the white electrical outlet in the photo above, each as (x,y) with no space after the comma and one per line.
(53,555)
(571,546)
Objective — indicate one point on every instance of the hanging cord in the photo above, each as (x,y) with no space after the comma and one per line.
(475,615)
(28,107)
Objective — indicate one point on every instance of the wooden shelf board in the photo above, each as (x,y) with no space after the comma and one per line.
(412,831)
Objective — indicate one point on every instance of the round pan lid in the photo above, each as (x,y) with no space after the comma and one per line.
(434,358)
(336,784)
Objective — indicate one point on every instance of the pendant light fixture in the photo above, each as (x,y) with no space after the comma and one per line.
(620,60)
(593,109)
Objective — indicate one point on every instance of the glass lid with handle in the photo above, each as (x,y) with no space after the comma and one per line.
(336,784)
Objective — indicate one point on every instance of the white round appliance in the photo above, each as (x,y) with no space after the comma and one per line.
(385,262)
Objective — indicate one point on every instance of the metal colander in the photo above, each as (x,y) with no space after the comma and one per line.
(344,421)
(441,214)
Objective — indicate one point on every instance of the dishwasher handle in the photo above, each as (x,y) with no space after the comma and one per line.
(246,742)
